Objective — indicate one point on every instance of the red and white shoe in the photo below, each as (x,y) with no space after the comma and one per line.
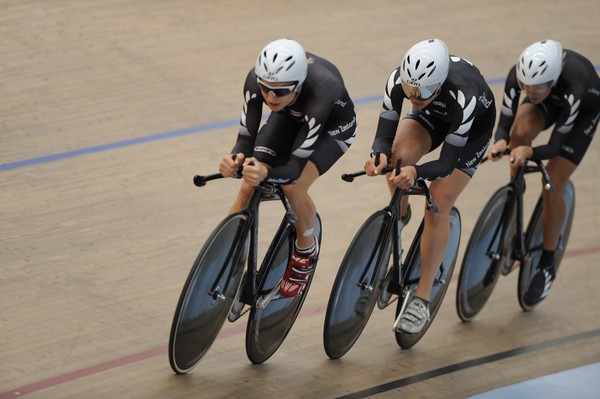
(298,272)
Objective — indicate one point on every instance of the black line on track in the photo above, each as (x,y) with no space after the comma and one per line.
(413,379)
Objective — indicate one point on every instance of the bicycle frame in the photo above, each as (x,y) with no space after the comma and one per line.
(514,205)
(226,276)
(501,241)
(393,209)
(262,192)
(367,276)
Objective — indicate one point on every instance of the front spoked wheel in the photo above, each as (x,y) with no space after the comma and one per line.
(534,240)
(441,282)
(269,326)
(480,266)
(207,294)
(357,284)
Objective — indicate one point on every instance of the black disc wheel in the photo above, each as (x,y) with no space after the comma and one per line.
(480,270)
(357,284)
(268,327)
(207,294)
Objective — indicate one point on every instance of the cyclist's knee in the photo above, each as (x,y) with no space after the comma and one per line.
(242,198)
(294,191)
(444,196)
(555,196)
(560,170)
(245,190)
(529,122)
(438,218)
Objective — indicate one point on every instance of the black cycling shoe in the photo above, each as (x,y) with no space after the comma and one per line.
(540,285)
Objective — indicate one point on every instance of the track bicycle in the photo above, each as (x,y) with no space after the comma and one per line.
(499,244)
(225,282)
(366,276)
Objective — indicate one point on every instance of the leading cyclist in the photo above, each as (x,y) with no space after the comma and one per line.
(312,123)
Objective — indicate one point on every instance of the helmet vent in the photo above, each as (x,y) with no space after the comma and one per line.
(540,63)
(432,70)
(282,60)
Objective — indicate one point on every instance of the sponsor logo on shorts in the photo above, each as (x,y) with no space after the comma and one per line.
(281,180)
(477,158)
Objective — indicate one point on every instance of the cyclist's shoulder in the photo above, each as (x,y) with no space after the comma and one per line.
(578,70)
(251,89)
(463,75)
(465,89)
(322,88)
(322,72)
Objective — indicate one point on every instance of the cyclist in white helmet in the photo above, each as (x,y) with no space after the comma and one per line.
(561,88)
(452,107)
(312,123)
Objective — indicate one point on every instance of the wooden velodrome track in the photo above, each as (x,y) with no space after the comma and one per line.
(107,110)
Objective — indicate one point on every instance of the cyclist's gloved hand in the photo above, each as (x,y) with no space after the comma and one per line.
(230,164)
(372,167)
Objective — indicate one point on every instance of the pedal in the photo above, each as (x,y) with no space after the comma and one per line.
(385,296)
(237,307)
(237,313)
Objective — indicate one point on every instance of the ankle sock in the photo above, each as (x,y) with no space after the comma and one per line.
(547,258)
(306,251)
(425,302)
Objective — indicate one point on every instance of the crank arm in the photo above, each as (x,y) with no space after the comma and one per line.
(263,301)
(404,305)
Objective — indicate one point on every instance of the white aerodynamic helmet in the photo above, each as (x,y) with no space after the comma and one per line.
(540,63)
(425,68)
(282,60)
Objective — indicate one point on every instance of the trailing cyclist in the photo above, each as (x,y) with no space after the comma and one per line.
(561,88)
